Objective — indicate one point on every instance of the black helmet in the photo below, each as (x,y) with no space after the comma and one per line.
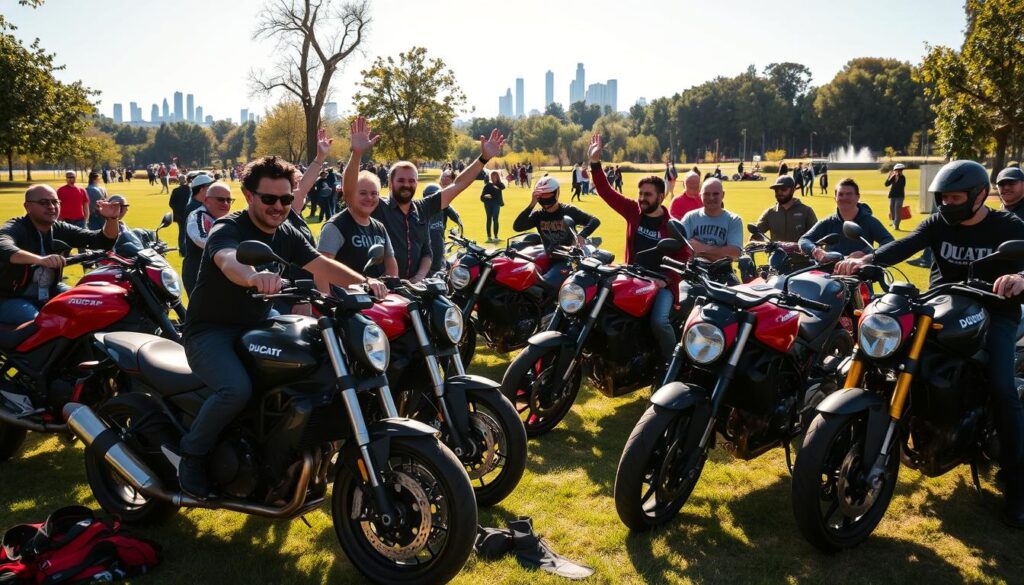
(959,175)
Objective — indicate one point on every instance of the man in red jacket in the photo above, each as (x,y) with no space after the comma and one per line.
(646,223)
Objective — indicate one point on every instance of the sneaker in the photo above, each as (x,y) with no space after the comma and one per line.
(192,476)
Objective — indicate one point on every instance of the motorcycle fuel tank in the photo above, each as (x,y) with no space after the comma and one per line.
(964,324)
(515,273)
(83,309)
(632,295)
(281,349)
(391,314)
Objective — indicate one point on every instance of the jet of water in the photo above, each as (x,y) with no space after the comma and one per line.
(851,155)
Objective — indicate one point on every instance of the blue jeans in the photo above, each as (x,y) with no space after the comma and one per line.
(556,274)
(492,209)
(18,310)
(661,325)
(895,209)
(212,357)
(1009,410)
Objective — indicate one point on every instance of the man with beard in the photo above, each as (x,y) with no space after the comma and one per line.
(646,223)
(1010,184)
(786,221)
(408,221)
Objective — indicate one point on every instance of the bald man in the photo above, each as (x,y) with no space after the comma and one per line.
(714,232)
(30,263)
(216,204)
(689,200)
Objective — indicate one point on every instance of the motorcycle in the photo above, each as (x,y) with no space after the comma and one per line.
(915,394)
(429,384)
(505,290)
(602,325)
(761,357)
(45,362)
(402,505)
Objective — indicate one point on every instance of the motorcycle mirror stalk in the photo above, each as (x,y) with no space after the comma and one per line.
(254,252)
(679,232)
(852,231)
(756,231)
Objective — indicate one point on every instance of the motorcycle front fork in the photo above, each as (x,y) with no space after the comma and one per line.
(457,441)
(726,374)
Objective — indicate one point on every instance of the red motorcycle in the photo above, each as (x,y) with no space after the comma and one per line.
(505,289)
(760,358)
(44,362)
(602,325)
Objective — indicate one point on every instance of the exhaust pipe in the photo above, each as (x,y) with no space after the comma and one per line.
(84,423)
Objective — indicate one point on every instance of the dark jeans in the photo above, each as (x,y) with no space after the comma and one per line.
(492,209)
(327,207)
(18,310)
(895,209)
(556,274)
(211,355)
(190,271)
(661,325)
(1009,410)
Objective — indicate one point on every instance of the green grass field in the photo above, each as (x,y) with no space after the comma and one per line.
(736,528)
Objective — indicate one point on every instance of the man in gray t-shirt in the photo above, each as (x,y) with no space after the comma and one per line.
(714,232)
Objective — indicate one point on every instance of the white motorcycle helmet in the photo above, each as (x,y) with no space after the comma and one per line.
(547,191)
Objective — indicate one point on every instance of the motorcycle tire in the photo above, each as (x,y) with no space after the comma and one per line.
(490,411)
(539,414)
(418,469)
(650,453)
(114,494)
(467,346)
(831,451)
(11,440)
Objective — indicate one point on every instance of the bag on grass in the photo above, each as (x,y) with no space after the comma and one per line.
(73,546)
(905,212)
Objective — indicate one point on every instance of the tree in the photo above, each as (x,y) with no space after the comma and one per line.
(642,149)
(976,91)
(283,132)
(614,129)
(584,115)
(412,103)
(239,144)
(314,38)
(790,80)
(192,145)
(220,129)
(555,109)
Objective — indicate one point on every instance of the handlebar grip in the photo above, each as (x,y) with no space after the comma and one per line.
(809,303)
(86,256)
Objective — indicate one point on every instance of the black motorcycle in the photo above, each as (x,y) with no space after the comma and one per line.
(402,505)
(915,394)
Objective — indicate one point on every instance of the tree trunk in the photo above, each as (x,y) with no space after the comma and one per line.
(10,164)
(1002,134)
(28,169)
(312,126)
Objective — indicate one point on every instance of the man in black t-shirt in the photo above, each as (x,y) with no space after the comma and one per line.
(549,221)
(965,230)
(221,308)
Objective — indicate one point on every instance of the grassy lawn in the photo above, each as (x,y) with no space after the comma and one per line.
(736,528)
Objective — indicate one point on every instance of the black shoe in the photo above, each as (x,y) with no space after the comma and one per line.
(1013,492)
(192,476)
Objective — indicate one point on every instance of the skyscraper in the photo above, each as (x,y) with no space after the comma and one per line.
(549,88)
(155,115)
(179,111)
(190,110)
(505,104)
(118,113)
(244,117)
(134,112)
(613,94)
(166,115)
(331,110)
(577,90)
(252,117)
(519,97)
(199,115)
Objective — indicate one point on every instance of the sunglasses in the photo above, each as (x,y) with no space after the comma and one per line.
(230,200)
(268,199)
(47,202)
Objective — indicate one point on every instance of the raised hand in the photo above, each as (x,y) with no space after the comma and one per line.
(362,139)
(596,145)
(323,143)
(491,147)
(108,210)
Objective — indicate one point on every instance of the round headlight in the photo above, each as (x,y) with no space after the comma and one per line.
(571,297)
(460,276)
(704,342)
(879,335)
(453,324)
(172,284)
(376,347)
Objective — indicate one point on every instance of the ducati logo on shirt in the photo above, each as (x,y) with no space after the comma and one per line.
(962,254)
(648,233)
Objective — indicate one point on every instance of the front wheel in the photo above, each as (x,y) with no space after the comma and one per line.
(659,468)
(536,389)
(836,504)
(11,439)
(433,535)
(499,456)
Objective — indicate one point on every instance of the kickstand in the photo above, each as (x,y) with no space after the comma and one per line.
(976,479)
(789,456)
(306,522)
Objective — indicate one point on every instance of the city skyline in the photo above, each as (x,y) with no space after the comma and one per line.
(604,95)
(185,110)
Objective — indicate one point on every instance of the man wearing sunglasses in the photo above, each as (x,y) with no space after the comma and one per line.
(197,228)
(221,307)
(30,263)
(408,221)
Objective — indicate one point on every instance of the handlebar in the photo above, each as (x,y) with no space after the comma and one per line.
(85,257)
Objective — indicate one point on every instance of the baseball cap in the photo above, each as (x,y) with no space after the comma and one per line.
(201,180)
(431,189)
(783,181)
(899,167)
(118,199)
(1010,174)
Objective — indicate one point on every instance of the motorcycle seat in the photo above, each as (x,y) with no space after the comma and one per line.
(158,361)
(12,338)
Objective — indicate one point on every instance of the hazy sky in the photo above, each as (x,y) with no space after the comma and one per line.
(143,51)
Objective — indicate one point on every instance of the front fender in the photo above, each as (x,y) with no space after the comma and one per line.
(679,396)
(851,401)
(457,388)
(383,431)
(550,339)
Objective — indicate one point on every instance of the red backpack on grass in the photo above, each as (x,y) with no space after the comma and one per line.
(73,546)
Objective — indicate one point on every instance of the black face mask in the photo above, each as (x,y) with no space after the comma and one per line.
(956,214)
(547,201)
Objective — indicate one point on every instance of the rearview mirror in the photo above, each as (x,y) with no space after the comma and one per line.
(676,227)
(669,246)
(756,231)
(255,253)
(828,240)
(596,241)
(570,224)
(165,221)
(852,231)
(375,255)
(531,239)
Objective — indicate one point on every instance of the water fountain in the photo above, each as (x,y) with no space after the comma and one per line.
(851,158)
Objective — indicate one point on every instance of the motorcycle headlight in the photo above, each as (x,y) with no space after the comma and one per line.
(453,324)
(879,335)
(704,343)
(571,297)
(376,347)
(170,281)
(460,276)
